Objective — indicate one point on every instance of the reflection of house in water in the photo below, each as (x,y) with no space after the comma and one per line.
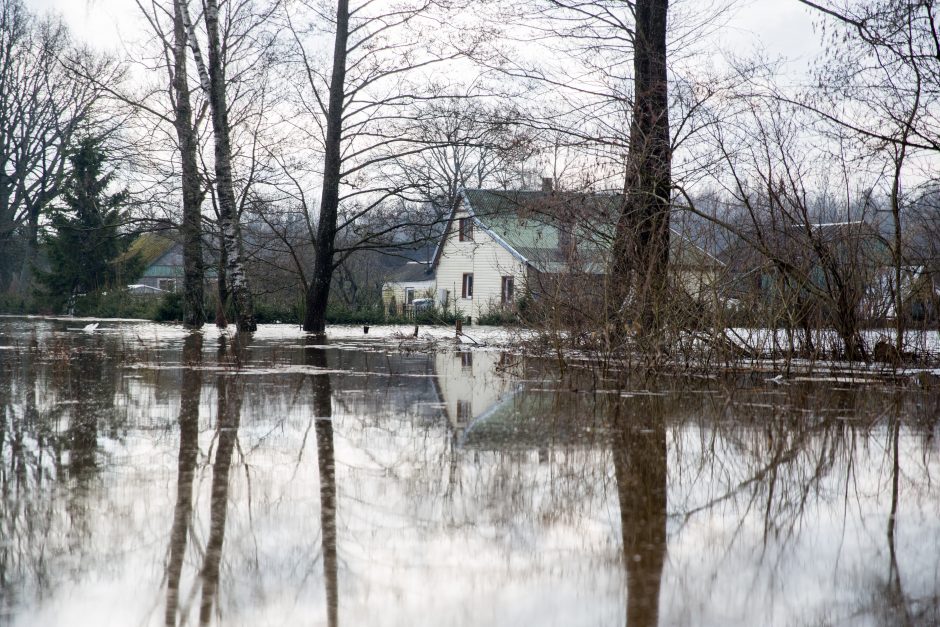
(490,409)
(470,384)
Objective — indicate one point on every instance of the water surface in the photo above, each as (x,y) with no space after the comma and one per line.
(150,477)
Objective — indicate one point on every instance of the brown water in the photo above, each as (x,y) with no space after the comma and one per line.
(154,478)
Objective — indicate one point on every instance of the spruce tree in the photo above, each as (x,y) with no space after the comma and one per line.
(83,239)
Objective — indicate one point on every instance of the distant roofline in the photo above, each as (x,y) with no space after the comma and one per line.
(462,196)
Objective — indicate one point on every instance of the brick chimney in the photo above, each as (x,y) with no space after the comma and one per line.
(548,184)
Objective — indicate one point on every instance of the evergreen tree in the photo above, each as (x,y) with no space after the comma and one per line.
(83,239)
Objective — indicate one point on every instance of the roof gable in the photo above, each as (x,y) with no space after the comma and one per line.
(552,230)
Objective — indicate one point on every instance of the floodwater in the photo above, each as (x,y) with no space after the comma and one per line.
(150,477)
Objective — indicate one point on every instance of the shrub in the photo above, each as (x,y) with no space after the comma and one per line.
(277,312)
(115,304)
(169,308)
(498,316)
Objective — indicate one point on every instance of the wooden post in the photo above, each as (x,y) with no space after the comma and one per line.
(459,326)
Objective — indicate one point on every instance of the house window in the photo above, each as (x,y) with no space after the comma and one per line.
(167,285)
(467,290)
(466,229)
(464,412)
(409,295)
(507,291)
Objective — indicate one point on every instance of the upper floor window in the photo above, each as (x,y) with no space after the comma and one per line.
(466,229)
(467,290)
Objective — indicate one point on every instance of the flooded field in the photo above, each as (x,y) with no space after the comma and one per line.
(150,477)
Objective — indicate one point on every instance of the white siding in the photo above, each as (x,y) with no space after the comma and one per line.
(470,378)
(486,259)
(423,289)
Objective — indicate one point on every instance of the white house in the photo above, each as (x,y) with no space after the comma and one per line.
(500,244)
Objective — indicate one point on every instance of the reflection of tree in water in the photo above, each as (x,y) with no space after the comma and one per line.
(56,398)
(890,603)
(323,417)
(229,398)
(186,468)
(638,441)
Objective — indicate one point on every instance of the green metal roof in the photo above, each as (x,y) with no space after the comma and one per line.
(531,224)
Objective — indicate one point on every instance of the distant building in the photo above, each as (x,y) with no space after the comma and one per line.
(405,284)
(827,266)
(161,256)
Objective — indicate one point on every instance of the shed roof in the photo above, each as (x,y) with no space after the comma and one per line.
(411,272)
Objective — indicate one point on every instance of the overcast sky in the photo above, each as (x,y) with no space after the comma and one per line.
(781,27)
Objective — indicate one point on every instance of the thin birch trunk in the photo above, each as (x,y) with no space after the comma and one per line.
(228,213)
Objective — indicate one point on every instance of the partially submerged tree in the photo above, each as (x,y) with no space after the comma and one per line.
(191,225)
(362,111)
(639,264)
(236,275)
(876,88)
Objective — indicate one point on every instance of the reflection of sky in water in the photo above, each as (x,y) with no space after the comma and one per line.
(773,515)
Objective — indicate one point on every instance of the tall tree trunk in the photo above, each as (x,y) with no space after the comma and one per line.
(639,270)
(194,314)
(319,290)
(228,213)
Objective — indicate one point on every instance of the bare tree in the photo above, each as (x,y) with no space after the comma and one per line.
(42,108)
(876,86)
(193,272)
(641,245)
(362,112)
(236,275)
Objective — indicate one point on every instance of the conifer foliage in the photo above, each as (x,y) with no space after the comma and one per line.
(83,241)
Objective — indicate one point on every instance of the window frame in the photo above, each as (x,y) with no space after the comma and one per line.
(465,229)
(409,295)
(508,296)
(466,287)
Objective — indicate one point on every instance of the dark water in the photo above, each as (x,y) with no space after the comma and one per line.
(154,478)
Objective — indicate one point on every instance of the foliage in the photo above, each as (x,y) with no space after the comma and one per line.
(268,312)
(498,316)
(84,240)
(170,308)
